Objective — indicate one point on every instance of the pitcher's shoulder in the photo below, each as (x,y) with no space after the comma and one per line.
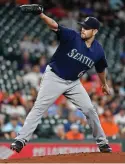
(98,44)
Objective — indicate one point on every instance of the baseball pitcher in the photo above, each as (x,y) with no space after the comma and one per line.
(75,55)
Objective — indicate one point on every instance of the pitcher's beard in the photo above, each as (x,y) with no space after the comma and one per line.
(86,39)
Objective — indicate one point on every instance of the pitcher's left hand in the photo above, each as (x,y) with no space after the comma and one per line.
(106,89)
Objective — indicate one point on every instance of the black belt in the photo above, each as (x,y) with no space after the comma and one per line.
(53,71)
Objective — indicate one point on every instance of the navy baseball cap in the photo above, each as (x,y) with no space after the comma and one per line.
(90,23)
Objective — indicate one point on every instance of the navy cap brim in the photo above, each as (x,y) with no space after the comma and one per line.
(83,24)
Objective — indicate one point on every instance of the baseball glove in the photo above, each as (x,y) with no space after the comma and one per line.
(35,9)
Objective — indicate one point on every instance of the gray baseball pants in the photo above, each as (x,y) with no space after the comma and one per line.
(51,88)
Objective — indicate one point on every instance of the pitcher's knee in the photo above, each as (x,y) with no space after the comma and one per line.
(89,110)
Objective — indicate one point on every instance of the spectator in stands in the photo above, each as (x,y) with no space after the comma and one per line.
(34,76)
(54,111)
(16,109)
(29,105)
(109,126)
(101,105)
(70,21)
(74,133)
(71,120)
(65,108)
(33,94)
(11,127)
(12,135)
(13,108)
(58,11)
(52,48)
(37,46)
(21,120)
(120,118)
(26,44)
(114,105)
(25,63)
(17,95)
(94,98)
(87,8)
(60,132)
(4,98)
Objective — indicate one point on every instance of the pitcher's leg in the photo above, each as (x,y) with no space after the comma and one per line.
(51,88)
(78,95)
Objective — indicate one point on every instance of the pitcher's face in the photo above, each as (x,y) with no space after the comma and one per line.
(88,33)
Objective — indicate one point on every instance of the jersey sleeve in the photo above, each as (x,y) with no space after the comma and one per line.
(101,64)
(65,34)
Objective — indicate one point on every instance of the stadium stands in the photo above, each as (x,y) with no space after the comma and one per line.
(14,26)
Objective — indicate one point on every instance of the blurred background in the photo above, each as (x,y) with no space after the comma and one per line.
(27,44)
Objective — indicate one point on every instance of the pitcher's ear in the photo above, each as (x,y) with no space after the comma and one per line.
(95,31)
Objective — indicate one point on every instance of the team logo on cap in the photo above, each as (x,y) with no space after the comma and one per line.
(86,19)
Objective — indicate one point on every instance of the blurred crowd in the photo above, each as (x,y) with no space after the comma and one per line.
(63,120)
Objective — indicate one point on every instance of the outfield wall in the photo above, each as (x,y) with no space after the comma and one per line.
(53,147)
